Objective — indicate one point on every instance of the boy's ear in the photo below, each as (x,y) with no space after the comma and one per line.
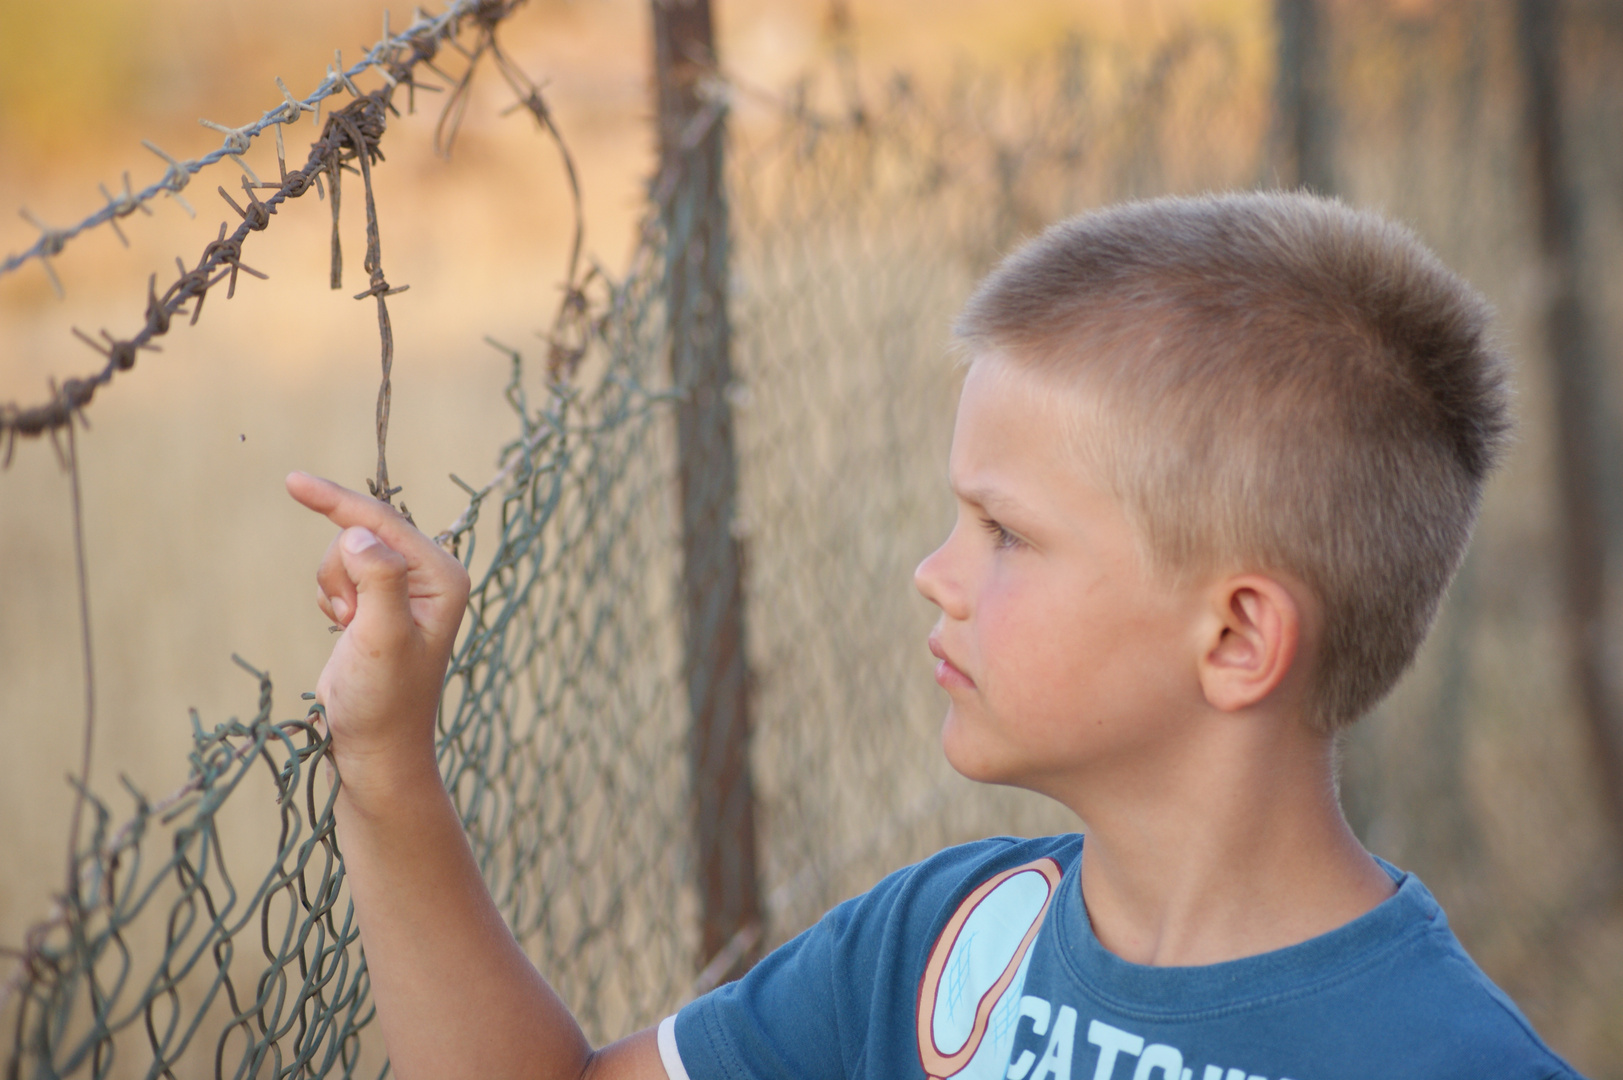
(1254,636)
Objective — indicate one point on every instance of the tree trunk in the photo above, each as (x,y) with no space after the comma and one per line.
(1569,335)
(1304,120)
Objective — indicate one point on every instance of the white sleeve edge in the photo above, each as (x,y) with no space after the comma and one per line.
(668,1056)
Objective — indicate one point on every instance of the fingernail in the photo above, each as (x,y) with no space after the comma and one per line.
(340,608)
(358,539)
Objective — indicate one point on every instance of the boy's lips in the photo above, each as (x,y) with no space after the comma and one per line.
(948,674)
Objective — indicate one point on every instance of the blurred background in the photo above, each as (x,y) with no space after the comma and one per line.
(882,155)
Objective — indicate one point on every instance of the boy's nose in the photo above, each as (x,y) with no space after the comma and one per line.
(934,582)
(924,580)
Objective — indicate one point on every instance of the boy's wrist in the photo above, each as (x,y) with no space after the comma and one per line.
(380,784)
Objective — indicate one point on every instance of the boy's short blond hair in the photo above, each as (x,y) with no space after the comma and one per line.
(1272,382)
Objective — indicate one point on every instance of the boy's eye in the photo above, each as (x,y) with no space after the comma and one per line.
(1001,537)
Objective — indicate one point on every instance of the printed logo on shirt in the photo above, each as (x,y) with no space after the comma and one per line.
(972,1002)
(971,994)
(1137,1058)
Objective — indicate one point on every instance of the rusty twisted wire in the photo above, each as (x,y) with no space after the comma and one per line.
(420,41)
(348,142)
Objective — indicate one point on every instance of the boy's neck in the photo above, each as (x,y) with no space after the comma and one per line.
(1233,845)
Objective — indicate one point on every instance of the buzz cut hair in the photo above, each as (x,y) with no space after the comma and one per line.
(1271,382)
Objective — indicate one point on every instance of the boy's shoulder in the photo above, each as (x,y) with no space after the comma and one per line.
(979,962)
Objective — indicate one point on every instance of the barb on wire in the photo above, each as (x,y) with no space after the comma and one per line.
(237,141)
(51,242)
(122,206)
(175,178)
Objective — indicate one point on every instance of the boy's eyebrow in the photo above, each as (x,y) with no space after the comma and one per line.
(989,498)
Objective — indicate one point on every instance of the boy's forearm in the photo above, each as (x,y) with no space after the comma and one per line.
(456,995)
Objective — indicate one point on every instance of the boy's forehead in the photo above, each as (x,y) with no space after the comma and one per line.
(1036,385)
(1005,392)
(1015,434)
(996,380)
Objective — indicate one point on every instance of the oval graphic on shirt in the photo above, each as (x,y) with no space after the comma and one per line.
(975,962)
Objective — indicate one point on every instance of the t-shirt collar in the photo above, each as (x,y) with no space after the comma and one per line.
(1253,980)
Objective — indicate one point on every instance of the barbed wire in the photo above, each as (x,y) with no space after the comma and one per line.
(348,142)
(394,56)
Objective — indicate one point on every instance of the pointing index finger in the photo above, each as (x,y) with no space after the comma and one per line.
(346,508)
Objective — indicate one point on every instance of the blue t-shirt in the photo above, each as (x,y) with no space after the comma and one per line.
(980,963)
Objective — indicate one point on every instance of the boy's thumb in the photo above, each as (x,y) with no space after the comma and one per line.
(379,572)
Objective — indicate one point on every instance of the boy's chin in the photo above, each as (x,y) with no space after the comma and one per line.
(972,756)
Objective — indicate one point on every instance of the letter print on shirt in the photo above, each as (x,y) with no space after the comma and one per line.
(970,995)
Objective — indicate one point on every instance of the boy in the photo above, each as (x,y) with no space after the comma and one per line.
(1215,462)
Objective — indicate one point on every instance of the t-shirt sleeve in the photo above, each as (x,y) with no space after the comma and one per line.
(798,1014)
(837,1000)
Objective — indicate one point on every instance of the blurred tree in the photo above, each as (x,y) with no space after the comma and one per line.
(1304,122)
(1581,438)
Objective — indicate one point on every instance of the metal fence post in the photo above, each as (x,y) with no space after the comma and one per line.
(694,212)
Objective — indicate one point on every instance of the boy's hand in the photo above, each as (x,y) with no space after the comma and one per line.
(399,599)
